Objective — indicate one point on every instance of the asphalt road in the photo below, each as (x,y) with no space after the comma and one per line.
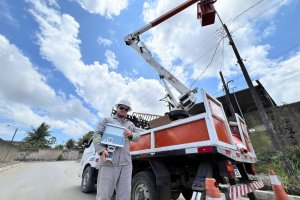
(43,181)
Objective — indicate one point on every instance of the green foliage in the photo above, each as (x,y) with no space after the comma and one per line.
(293,154)
(269,159)
(60,146)
(36,138)
(52,140)
(292,183)
(60,157)
(87,136)
(70,143)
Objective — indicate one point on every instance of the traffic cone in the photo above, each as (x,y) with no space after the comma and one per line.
(279,192)
(212,190)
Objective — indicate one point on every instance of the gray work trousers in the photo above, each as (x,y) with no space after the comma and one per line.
(114,178)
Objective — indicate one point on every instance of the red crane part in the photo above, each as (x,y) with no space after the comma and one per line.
(206,11)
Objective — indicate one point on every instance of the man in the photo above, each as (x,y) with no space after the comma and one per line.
(115,175)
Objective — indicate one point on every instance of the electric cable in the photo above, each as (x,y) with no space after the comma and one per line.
(208,64)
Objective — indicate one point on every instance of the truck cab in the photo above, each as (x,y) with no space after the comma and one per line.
(88,169)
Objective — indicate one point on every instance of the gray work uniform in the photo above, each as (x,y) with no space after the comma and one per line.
(115,175)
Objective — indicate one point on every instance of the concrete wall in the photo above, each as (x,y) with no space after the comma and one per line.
(8,151)
(47,154)
(285,119)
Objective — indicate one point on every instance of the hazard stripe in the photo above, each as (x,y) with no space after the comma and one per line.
(255,185)
(236,191)
(243,190)
(196,196)
(235,196)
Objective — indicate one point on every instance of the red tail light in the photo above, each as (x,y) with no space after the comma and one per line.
(205,149)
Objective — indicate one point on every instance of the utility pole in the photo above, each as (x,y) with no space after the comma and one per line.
(264,117)
(9,148)
(237,103)
(14,135)
(227,96)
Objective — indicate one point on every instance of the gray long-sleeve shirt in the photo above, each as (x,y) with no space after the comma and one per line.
(121,156)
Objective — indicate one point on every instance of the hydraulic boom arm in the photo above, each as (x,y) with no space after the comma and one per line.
(187,97)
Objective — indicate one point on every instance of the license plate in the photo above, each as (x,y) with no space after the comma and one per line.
(237,173)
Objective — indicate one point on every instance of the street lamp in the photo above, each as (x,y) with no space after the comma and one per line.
(14,133)
(237,103)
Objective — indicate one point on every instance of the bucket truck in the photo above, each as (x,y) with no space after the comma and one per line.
(176,157)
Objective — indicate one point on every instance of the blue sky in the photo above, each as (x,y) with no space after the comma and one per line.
(65,62)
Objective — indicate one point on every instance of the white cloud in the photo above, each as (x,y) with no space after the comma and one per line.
(181,39)
(96,83)
(25,96)
(111,59)
(103,41)
(283,81)
(27,118)
(135,72)
(105,8)
(269,30)
(6,14)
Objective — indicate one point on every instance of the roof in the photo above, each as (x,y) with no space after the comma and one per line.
(245,101)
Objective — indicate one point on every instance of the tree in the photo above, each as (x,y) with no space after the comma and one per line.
(52,141)
(59,146)
(37,137)
(87,136)
(70,143)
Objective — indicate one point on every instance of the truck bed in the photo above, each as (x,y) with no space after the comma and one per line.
(208,132)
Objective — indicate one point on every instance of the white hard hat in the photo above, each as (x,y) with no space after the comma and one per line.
(124,102)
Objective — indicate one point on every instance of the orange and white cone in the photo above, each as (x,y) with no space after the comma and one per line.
(279,192)
(212,190)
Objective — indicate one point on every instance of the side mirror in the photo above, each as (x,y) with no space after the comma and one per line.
(84,143)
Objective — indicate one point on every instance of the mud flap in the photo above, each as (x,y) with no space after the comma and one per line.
(163,180)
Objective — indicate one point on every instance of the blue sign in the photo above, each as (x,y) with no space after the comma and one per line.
(113,135)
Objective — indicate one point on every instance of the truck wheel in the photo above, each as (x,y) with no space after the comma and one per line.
(143,186)
(87,181)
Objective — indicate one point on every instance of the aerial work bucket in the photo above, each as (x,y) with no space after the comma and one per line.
(206,11)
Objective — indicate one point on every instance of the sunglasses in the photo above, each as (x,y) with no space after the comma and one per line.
(123,108)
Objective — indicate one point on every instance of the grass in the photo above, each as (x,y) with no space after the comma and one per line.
(268,159)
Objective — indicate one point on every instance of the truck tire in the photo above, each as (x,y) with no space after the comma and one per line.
(88,180)
(143,186)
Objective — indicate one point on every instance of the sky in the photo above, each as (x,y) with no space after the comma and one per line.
(65,62)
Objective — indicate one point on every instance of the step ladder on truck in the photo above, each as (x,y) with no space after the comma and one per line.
(180,151)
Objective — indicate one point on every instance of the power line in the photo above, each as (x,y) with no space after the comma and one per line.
(213,35)
(207,65)
(287,50)
(261,13)
(246,10)
(292,77)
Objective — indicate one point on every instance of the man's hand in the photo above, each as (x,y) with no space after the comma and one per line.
(128,133)
(104,155)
